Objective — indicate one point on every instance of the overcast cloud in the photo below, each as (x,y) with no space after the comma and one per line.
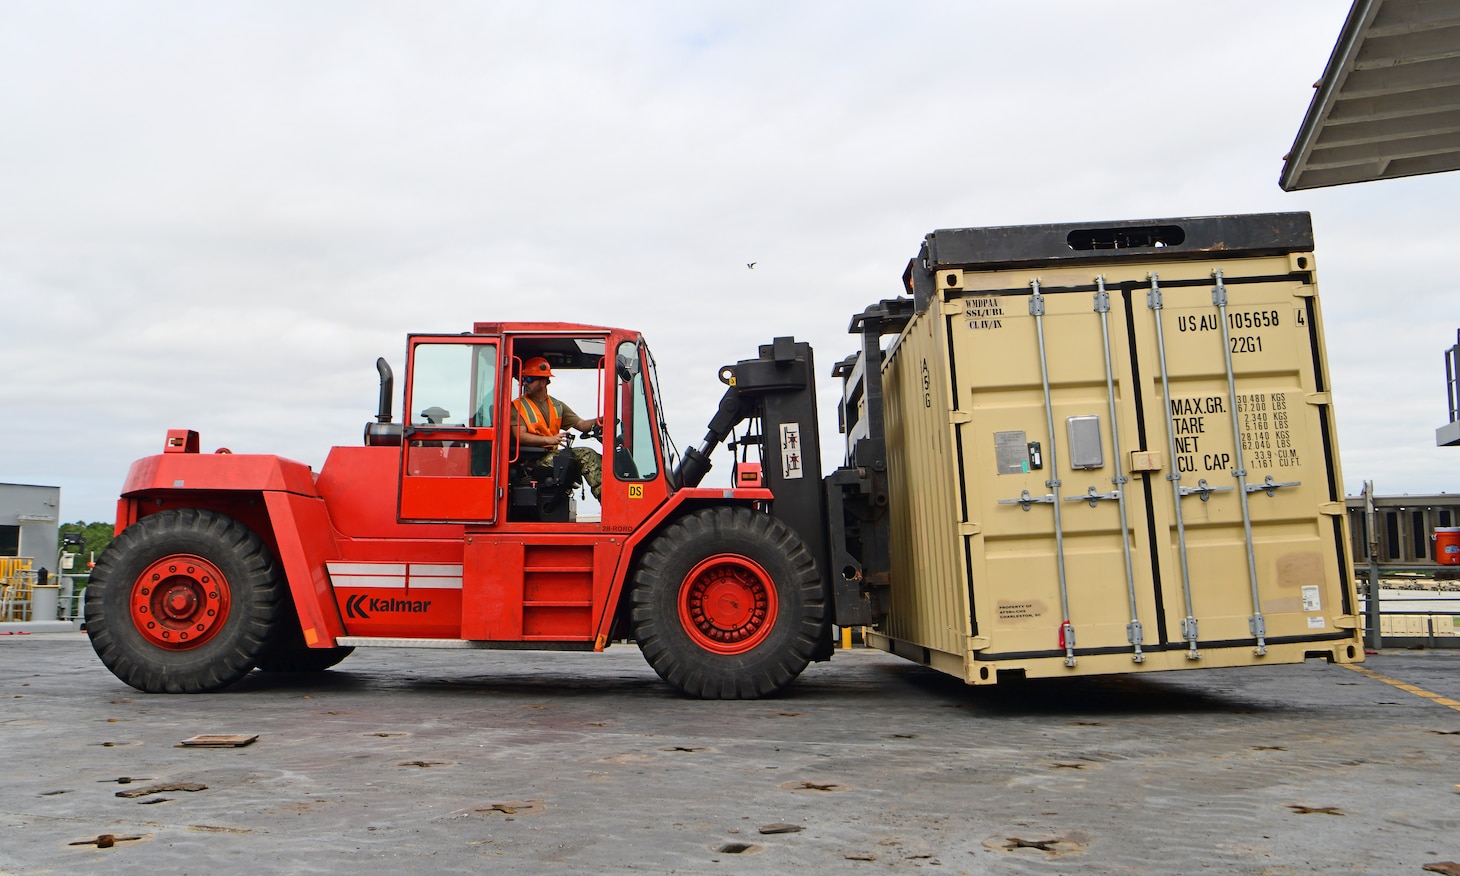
(216,215)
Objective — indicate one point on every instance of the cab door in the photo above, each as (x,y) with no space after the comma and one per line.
(447,460)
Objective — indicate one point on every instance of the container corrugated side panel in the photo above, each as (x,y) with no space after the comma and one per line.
(929,587)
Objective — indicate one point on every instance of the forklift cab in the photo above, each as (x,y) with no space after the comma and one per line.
(460,457)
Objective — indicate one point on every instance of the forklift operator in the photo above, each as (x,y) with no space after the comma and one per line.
(538,420)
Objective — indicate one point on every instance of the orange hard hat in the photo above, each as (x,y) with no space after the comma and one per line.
(537,367)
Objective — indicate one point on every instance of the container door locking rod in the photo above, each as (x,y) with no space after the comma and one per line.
(1133,631)
(1188,626)
(1256,623)
(1067,629)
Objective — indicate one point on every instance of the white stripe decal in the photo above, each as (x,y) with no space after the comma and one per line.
(396,576)
(370,582)
(368,568)
(442,570)
(435,583)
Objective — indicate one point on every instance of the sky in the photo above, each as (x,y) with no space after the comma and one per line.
(217,215)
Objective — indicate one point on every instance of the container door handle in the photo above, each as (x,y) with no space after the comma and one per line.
(1026,500)
(1094,497)
(1204,490)
(1271,486)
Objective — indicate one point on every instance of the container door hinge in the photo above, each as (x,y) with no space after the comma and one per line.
(978,643)
(1319,398)
(958,418)
(1332,509)
(1346,622)
(965,528)
(1189,633)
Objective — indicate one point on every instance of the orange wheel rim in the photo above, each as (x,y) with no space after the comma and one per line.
(727,604)
(180,602)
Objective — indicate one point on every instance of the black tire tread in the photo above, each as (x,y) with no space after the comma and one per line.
(302,659)
(288,652)
(773,664)
(256,594)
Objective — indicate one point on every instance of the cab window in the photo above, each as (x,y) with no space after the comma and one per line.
(453,385)
(634,458)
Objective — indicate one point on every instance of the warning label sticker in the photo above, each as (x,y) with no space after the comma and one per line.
(791,468)
(1312,600)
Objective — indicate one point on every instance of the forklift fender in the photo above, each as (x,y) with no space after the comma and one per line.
(305,541)
(227,472)
(683,500)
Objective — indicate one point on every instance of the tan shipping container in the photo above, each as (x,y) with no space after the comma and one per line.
(1112,449)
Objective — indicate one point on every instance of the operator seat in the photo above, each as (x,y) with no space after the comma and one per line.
(540,492)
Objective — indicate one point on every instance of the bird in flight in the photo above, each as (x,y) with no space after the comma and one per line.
(750,265)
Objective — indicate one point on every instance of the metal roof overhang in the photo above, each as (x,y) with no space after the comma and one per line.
(1388,104)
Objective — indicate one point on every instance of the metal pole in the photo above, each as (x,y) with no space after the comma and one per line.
(1256,623)
(1133,631)
(1188,626)
(1067,629)
(1376,638)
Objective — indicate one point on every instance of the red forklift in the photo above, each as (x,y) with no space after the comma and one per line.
(442,531)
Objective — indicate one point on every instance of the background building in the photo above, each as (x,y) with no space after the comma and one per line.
(29,523)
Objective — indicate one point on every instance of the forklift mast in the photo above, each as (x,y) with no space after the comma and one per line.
(843,517)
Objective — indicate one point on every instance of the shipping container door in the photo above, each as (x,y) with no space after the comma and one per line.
(1049,471)
(1042,474)
(1246,560)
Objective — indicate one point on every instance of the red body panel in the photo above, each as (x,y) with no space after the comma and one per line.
(354,569)
(217,472)
(358,484)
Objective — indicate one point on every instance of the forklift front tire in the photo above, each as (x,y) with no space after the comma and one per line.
(727,604)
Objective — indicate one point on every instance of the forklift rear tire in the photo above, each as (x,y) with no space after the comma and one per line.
(302,659)
(287,651)
(183,601)
(727,604)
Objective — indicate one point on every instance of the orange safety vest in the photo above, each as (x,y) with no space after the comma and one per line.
(548,425)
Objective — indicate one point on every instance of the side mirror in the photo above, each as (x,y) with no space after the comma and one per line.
(627,367)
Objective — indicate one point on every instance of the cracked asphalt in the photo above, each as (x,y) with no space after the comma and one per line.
(407,760)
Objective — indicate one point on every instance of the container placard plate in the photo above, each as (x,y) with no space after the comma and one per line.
(1011,450)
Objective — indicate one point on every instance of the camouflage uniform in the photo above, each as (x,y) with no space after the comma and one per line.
(590,462)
